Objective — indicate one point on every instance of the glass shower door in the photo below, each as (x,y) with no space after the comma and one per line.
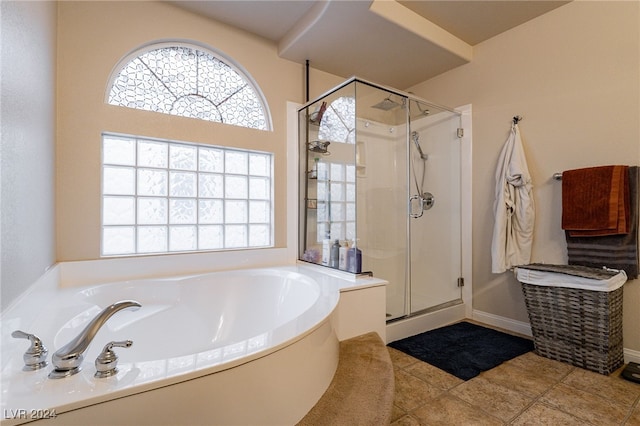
(381,174)
(434,209)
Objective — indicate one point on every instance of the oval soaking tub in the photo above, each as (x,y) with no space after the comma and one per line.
(240,347)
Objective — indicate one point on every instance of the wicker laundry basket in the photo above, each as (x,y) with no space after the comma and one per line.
(570,321)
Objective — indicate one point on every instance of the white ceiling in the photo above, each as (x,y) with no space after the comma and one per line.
(395,43)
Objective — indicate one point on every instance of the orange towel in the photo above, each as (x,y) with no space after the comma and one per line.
(595,201)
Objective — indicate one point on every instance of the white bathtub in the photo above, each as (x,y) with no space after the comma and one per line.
(241,347)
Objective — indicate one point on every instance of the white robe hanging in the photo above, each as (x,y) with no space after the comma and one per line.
(513,207)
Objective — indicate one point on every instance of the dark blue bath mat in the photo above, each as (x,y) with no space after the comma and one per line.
(464,349)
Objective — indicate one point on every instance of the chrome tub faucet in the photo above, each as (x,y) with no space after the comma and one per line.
(68,359)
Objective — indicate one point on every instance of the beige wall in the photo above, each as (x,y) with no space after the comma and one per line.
(27,151)
(92,39)
(573,74)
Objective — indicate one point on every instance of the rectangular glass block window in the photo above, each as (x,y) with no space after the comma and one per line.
(336,205)
(162,197)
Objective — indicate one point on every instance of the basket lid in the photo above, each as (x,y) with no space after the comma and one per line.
(571,276)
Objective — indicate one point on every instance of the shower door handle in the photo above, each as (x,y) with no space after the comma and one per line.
(420,210)
(425,202)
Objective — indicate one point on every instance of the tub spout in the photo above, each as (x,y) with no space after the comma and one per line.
(67,359)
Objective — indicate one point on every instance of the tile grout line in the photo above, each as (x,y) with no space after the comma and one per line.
(631,407)
(537,398)
(559,382)
(635,405)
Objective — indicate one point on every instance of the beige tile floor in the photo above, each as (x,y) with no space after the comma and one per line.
(527,390)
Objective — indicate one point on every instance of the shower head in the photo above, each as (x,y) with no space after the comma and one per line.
(386,104)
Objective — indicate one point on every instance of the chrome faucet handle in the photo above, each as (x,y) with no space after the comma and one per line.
(36,356)
(107,361)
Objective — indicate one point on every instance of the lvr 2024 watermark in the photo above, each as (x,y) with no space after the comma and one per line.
(29,414)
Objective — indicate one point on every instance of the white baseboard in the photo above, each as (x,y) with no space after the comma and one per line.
(631,356)
(519,327)
(524,328)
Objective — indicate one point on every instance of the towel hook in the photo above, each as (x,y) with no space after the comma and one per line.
(517,119)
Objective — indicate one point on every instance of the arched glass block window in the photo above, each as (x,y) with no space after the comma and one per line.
(188,81)
(338,121)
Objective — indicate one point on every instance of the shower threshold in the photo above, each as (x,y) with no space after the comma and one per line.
(425,311)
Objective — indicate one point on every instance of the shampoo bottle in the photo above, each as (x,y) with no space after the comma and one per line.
(354,259)
(342,261)
(326,251)
(335,255)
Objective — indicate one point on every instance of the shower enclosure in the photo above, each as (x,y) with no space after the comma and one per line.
(380,192)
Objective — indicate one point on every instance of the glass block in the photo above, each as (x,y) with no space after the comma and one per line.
(152,239)
(350,173)
(260,164)
(337,231)
(182,211)
(235,211)
(117,150)
(235,162)
(118,180)
(152,211)
(118,240)
(259,212)
(321,211)
(259,188)
(337,211)
(350,192)
(210,211)
(183,157)
(337,193)
(235,187)
(322,229)
(323,171)
(259,236)
(210,186)
(152,182)
(337,171)
(152,154)
(218,205)
(118,211)
(351,231)
(210,237)
(235,236)
(351,211)
(211,160)
(322,190)
(182,238)
(182,184)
